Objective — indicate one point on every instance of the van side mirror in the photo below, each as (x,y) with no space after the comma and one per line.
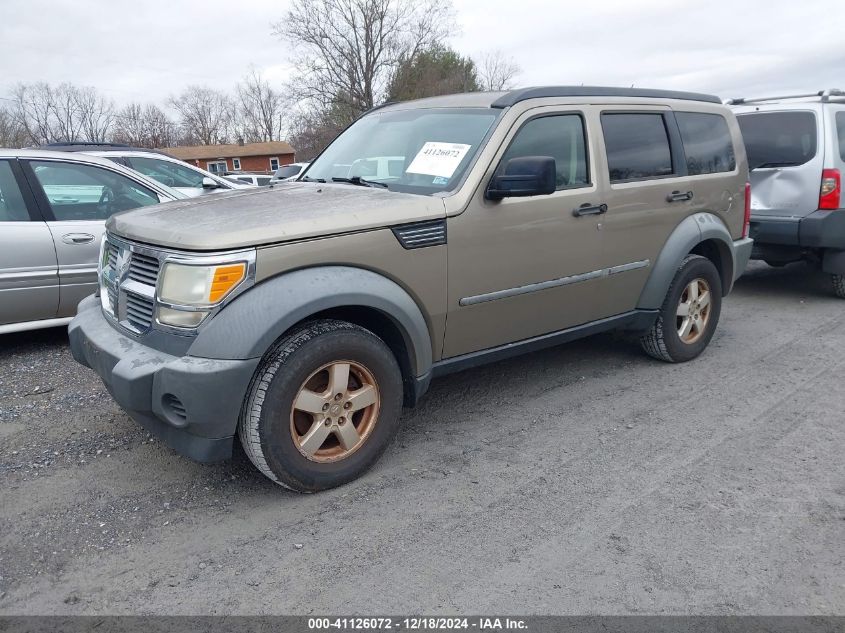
(524,176)
(209,183)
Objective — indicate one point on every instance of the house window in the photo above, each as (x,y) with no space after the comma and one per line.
(217,167)
(236,164)
(274,164)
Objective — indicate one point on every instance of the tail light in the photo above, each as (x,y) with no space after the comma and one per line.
(747,221)
(830,193)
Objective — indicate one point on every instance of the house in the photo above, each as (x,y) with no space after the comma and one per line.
(257,157)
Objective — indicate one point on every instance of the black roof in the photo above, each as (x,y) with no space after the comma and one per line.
(515,96)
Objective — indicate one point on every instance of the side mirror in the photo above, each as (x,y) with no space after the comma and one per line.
(209,183)
(524,176)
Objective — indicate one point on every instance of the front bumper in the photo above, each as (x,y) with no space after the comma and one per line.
(192,404)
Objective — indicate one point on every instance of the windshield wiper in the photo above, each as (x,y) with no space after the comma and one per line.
(309,179)
(775,164)
(357,180)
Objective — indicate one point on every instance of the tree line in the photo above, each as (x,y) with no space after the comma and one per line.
(349,55)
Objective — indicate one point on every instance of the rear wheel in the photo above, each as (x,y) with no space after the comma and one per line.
(323,406)
(838,285)
(689,315)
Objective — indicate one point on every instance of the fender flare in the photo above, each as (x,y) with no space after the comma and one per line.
(691,232)
(247,327)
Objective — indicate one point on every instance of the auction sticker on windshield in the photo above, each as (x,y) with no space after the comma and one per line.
(438,159)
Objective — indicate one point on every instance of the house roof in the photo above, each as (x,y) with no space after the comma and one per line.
(193,152)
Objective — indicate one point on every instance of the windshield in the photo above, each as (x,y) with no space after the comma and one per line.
(288,171)
(778,139)
(417,151)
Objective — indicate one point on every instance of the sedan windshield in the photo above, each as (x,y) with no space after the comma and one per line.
(421,151)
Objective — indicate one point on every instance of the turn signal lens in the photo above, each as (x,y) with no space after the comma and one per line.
(188,285)
(225,278)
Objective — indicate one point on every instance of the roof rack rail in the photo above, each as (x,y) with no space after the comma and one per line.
(513,97)
(824,94)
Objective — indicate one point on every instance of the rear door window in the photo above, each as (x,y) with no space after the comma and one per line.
(778,139)
(637,146)
(840,132)
(707,143)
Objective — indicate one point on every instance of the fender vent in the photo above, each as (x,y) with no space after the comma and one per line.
(421,234)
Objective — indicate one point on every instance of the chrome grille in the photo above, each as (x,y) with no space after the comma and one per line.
(129,280)
(112,258)
(139,311)
(144,269)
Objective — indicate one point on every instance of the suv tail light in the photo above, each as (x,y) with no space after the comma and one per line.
(747,222)
(831,189)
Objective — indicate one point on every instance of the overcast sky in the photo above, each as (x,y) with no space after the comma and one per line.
(146,51)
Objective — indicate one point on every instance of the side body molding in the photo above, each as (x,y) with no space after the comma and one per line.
(687,235)
(249,325)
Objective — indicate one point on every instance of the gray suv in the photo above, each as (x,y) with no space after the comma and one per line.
(796,154)
(301,318)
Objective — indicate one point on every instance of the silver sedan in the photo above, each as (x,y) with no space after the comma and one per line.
(53,208)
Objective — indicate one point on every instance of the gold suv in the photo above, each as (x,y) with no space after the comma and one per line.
(429,237)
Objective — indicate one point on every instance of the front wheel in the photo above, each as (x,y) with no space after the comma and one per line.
(323,405)
(689,315)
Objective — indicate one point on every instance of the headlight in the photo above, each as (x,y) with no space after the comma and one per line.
(199,285)
(188,288)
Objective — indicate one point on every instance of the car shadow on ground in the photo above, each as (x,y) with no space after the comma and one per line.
(798,281)
(32,341)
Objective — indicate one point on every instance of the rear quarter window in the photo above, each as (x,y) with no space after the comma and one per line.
(707,143)
(840,133)
(778,139)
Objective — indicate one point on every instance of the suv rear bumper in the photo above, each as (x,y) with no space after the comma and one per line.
(192,404)
(820,229)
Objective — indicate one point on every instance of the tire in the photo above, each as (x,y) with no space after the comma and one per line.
(663,341)
(284,442)
(838,285)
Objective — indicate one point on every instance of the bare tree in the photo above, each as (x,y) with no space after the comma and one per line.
(348,50)
(129,126)
(161,130)
(12,133)
(310,131)
(96,114)
(34,111)
(204,114)
(143,126)
(497,72)
(260,109)
(62,113)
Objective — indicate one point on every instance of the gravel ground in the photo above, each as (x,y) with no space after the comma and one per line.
(583,479)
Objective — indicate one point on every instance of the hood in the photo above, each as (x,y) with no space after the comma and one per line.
(268,215)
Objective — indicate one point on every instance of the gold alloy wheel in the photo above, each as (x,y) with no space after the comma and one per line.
(335,411)
(693,313)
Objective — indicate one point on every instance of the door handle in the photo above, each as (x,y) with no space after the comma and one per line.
(589,209)
(77,238)
(679,196)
